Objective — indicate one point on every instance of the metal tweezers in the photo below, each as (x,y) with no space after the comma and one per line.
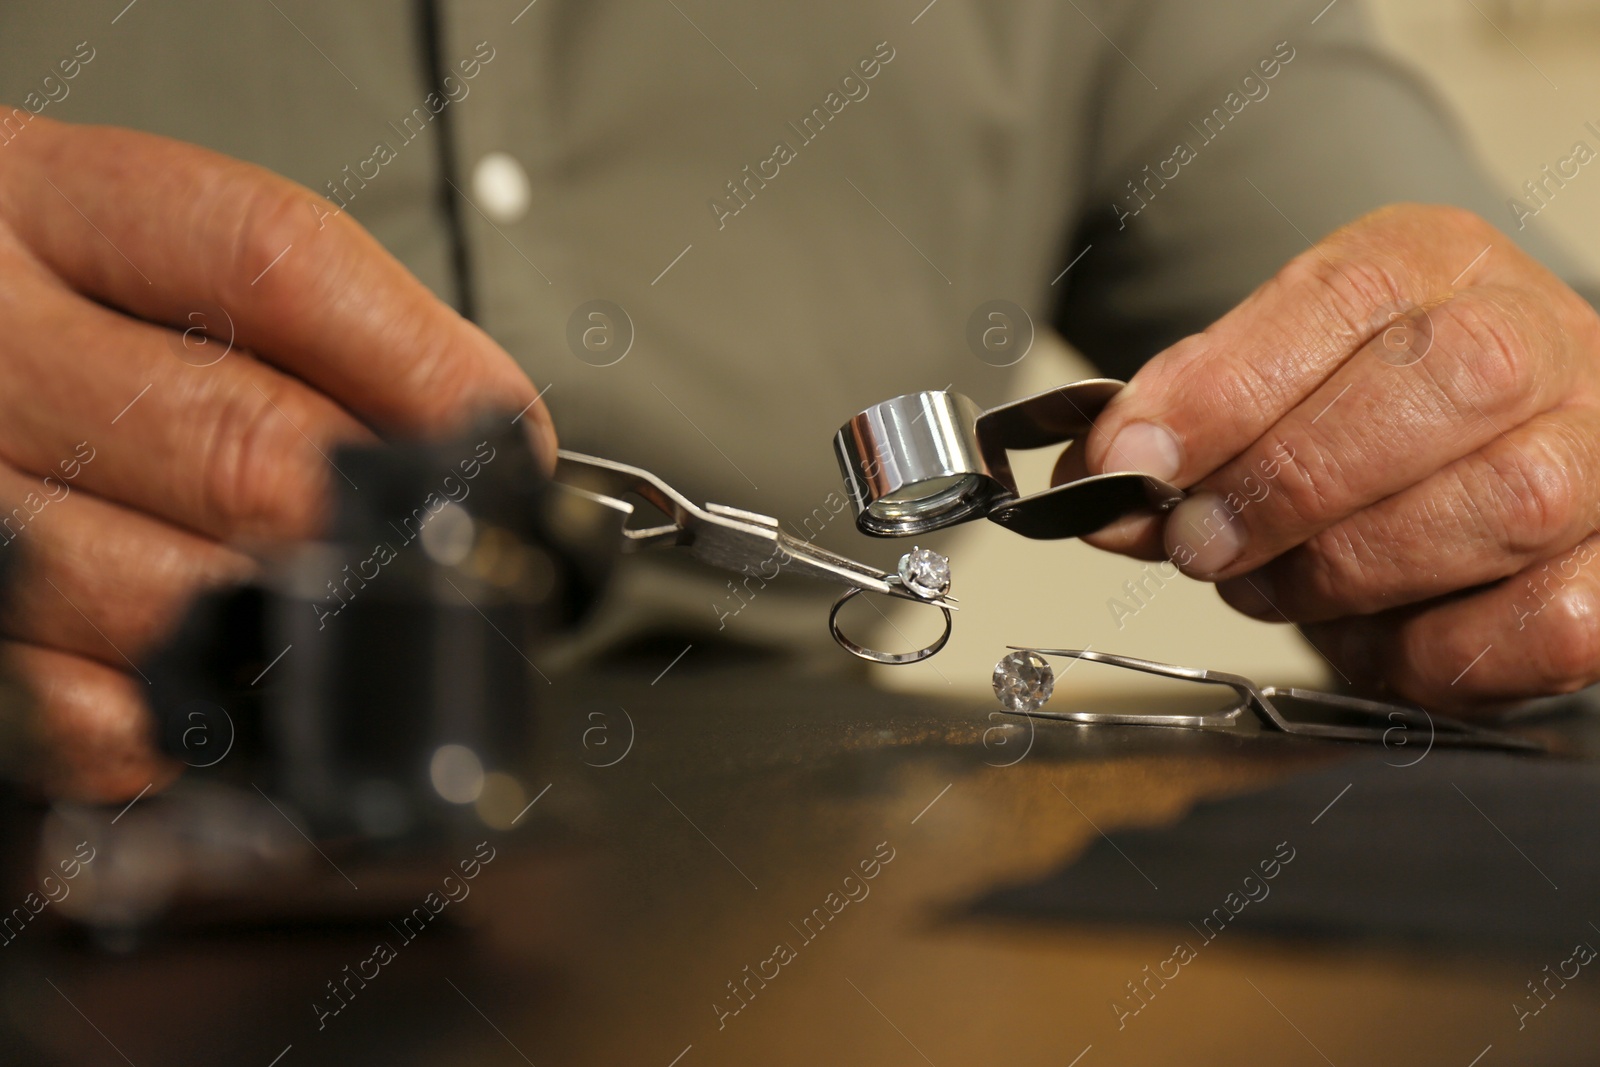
(1389,724)
(733,539)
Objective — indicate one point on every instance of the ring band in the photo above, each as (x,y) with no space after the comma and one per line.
(891,658)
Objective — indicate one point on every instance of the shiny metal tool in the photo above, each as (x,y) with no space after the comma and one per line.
(744,541)
(925,461)
(1023,682)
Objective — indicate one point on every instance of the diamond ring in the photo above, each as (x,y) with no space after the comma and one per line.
(925,575)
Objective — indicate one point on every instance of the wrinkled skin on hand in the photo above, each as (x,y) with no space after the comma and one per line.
(141,453)
(1394,443)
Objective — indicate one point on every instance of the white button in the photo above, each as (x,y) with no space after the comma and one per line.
(501,187)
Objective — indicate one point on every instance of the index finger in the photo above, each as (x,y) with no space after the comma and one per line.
(162,229)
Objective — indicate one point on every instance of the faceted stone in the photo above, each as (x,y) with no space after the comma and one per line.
(925,573)
(1023,681)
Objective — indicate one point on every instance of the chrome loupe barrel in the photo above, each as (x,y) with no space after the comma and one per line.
(913,464)
(925,461)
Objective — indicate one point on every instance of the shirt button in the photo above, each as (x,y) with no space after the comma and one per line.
(501,187)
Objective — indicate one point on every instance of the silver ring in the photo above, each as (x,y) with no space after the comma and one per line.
(891,658)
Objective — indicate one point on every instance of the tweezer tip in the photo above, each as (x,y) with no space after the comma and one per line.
(1071,653)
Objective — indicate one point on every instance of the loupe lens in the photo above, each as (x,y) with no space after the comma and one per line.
(927,500)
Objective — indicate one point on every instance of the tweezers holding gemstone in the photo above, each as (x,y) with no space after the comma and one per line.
(1024,681)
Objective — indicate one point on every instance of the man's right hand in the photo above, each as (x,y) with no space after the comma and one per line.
(141,455)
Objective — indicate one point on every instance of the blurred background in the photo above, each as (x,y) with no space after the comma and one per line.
(1499,64)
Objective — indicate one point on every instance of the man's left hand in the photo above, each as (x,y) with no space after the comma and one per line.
(1395,443)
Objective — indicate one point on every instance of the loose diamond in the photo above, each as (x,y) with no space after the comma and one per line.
(1023,681)
(925,573)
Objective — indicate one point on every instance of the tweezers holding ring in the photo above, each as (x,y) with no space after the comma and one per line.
(736,540)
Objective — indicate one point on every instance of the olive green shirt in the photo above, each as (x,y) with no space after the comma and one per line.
(797,206)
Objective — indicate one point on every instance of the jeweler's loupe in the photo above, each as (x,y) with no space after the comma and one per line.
(925,461)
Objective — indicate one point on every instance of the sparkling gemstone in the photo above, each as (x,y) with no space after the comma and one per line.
(925,573)
(1023,681)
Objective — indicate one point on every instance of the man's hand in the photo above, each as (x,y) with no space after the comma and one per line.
(1395,443)
(140,453)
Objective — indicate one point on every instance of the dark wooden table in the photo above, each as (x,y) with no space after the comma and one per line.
(617,918)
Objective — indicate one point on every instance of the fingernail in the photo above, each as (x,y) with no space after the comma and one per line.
(1145,447)
(542,436)
(1203,536)
(1251,594)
